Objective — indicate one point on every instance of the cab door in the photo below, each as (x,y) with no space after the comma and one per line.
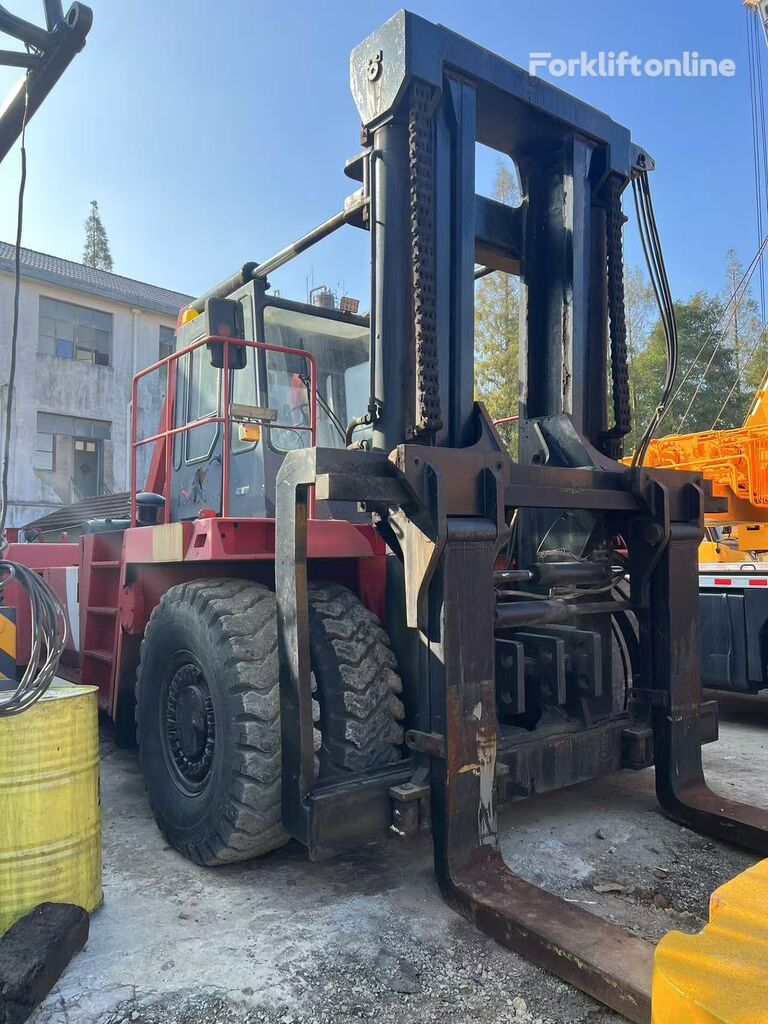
(196,476)
(247,497)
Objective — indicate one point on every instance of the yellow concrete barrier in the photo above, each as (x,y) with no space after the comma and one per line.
(719,976)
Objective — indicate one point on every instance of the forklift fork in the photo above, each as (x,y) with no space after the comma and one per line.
(592,954)
(458,652)
(681,788)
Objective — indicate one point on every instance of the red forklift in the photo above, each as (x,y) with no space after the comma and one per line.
(340,604)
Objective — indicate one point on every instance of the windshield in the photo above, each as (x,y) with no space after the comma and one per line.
(341,352)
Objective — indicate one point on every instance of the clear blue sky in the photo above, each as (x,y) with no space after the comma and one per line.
(214,131)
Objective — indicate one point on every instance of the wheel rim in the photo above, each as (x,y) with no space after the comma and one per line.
(190,727)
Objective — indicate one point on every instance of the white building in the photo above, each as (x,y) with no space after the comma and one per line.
(82,335)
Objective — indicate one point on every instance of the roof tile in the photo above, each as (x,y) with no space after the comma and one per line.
(107,506)
(97,282)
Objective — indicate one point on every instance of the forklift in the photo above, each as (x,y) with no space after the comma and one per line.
(341,606)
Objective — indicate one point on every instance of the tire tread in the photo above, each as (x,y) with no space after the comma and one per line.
(359,688)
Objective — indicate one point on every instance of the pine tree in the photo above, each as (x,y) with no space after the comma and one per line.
(96,250)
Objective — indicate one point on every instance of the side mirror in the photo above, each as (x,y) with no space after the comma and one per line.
(223,320)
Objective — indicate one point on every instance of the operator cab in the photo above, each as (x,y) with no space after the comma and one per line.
(272,404)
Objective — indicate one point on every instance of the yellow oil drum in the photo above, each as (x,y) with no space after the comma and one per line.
(50,820)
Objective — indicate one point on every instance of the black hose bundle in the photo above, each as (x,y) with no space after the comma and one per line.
(654,257)
(49,637)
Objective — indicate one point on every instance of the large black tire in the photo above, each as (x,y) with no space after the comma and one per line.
(208,710)
(357,683)
(224,804)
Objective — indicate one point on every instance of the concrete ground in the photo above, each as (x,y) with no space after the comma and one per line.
(368,937)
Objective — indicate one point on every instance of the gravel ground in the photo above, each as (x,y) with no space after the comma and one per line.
(367,937)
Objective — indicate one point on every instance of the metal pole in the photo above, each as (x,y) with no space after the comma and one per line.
(225,426)
(260,270)
(391,320)
(226,287)
(169,441)
(316,235)
(16,59)
(134,438)
(26,31)
(54,13)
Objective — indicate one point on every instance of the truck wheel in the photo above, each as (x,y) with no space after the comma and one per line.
(208,720)
(357,683)
(208,710)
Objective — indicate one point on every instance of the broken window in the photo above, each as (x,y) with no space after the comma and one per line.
(74,332)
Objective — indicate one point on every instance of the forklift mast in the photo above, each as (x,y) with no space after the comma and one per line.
(426,96)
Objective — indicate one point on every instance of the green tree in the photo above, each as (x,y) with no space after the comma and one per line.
(96,251)
(497,329)
(755,368)
(711,377)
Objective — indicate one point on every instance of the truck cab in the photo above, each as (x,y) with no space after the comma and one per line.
(305,385)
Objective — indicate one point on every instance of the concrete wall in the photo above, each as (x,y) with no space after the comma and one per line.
(51,384)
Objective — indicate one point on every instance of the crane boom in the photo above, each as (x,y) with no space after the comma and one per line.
(47,54)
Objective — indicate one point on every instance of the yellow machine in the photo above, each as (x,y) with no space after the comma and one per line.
(736,463)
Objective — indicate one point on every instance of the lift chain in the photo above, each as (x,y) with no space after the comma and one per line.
(422,215)
(622,411)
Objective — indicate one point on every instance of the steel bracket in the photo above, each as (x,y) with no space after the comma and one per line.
(429,743)
(410,808)
(654,698)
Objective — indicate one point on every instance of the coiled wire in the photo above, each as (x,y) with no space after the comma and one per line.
(48,621)
(48,624)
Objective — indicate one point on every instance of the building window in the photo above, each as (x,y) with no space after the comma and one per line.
(75,332)
(167,342)
(44,452)
(72,426)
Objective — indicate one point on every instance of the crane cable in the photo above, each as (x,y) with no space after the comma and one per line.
(742,290)
(716,327)
(750,353)
(759,134)
(760,157)
(48,621)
